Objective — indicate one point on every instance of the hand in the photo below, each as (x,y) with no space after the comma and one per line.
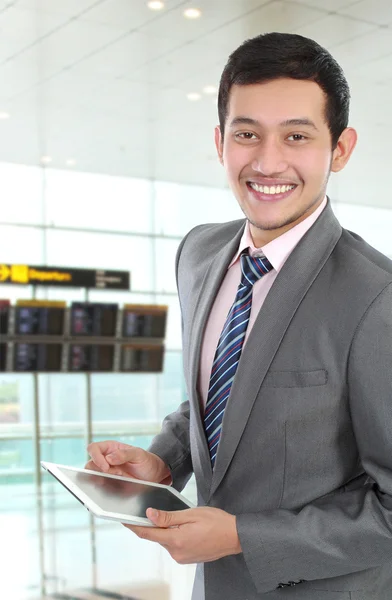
(191,536)
(117,458)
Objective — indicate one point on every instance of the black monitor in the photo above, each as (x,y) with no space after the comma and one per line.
(93,319)
(144,321)
(91,357)
(37,357)
(142,359)
(39,320)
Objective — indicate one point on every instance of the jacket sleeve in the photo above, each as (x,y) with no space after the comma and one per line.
(349,531)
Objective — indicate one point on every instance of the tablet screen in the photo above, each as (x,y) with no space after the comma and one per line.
(124,497)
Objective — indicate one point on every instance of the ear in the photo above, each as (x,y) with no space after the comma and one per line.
(219,143)
(344,149)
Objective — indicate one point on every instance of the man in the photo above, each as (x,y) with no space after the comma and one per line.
(288,427)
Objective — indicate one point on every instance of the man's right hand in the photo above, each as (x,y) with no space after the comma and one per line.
(117,458)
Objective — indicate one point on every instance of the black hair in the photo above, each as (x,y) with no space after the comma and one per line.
(272,56)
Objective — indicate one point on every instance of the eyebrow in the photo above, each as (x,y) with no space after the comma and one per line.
(287,123)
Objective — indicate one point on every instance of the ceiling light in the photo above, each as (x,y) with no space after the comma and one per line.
(156,4)
(4,115)
(193,96)
(46,160)
(192,13)
(71,162)
(209,89)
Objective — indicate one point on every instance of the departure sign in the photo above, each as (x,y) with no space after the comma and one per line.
(64,276)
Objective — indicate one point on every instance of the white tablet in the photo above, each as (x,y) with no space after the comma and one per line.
(117,498)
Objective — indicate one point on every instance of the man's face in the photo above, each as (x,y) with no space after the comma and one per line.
(277,153)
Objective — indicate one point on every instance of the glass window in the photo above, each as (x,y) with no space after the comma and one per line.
(105,251)
(180,207)
(95,201)
(165,256)
(22,194)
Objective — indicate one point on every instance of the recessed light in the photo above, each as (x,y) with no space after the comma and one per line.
(192,13)
(156,4)
(71,162)
(4,115)
(46,160)
(209,89)
(193,96)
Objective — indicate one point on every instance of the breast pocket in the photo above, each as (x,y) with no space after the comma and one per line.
(295,379)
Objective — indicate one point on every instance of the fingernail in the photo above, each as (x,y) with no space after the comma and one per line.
(154,513)
(111,456)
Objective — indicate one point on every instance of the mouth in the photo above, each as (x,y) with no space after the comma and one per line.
(270,193)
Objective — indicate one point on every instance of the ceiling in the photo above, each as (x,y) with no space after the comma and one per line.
(105,83)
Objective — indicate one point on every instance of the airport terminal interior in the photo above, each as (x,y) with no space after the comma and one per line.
(107,159)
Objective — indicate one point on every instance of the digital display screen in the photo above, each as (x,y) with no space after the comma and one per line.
(4,315)
(142,359)
(124,497)
(37,357)
(93,319)
(151,325)
(3,356)
(39,320)
(88,357)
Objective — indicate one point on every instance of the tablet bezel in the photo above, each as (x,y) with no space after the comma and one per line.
(53,469)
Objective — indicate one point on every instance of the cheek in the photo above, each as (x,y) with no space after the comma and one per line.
(314,165)
(235,159)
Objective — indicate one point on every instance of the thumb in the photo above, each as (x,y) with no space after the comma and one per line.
(163,518)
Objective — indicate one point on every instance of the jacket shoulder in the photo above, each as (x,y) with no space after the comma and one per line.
(206,240)
(365,257)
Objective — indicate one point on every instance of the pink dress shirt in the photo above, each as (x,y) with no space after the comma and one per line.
(277,253)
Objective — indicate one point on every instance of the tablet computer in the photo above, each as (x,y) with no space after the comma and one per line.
(117,498)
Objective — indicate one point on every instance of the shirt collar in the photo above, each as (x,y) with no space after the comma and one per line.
(281,247)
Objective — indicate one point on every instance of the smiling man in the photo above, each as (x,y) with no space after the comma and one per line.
(287,338)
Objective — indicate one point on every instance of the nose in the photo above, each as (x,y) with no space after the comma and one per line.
(269,158)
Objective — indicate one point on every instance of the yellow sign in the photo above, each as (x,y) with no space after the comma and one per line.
(19,274)
(4,272)
(24,274)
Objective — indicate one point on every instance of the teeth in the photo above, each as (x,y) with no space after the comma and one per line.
(273,189)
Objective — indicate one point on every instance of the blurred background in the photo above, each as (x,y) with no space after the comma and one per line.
(107,111)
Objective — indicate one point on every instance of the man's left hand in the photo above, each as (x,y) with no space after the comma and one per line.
(195,535)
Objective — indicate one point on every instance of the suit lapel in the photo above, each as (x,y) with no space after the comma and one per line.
(209,288)
(286,294)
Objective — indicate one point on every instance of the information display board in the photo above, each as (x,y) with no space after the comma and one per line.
(95,319)
(36,317)
(140,358)
(37,357)
(84,357)
(3,356)
(47,336)
(147,321)
(4,315)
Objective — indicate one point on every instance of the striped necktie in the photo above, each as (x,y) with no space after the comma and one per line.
(228,351)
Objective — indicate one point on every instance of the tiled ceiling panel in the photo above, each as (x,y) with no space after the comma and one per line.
(105,82)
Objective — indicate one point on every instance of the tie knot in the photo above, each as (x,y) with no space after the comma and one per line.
(253,269)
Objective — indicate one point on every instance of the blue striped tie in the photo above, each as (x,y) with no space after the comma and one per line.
(228,352)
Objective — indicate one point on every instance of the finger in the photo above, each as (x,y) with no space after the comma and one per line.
(166,519)
(164,537)
(120,456)
(97,450)
(91,466)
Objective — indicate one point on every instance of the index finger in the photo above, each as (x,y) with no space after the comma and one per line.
(96,451)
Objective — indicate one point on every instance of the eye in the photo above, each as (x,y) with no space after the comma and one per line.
(245,135)
(297,137)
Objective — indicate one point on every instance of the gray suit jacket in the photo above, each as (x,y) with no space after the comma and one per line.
(305,458)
